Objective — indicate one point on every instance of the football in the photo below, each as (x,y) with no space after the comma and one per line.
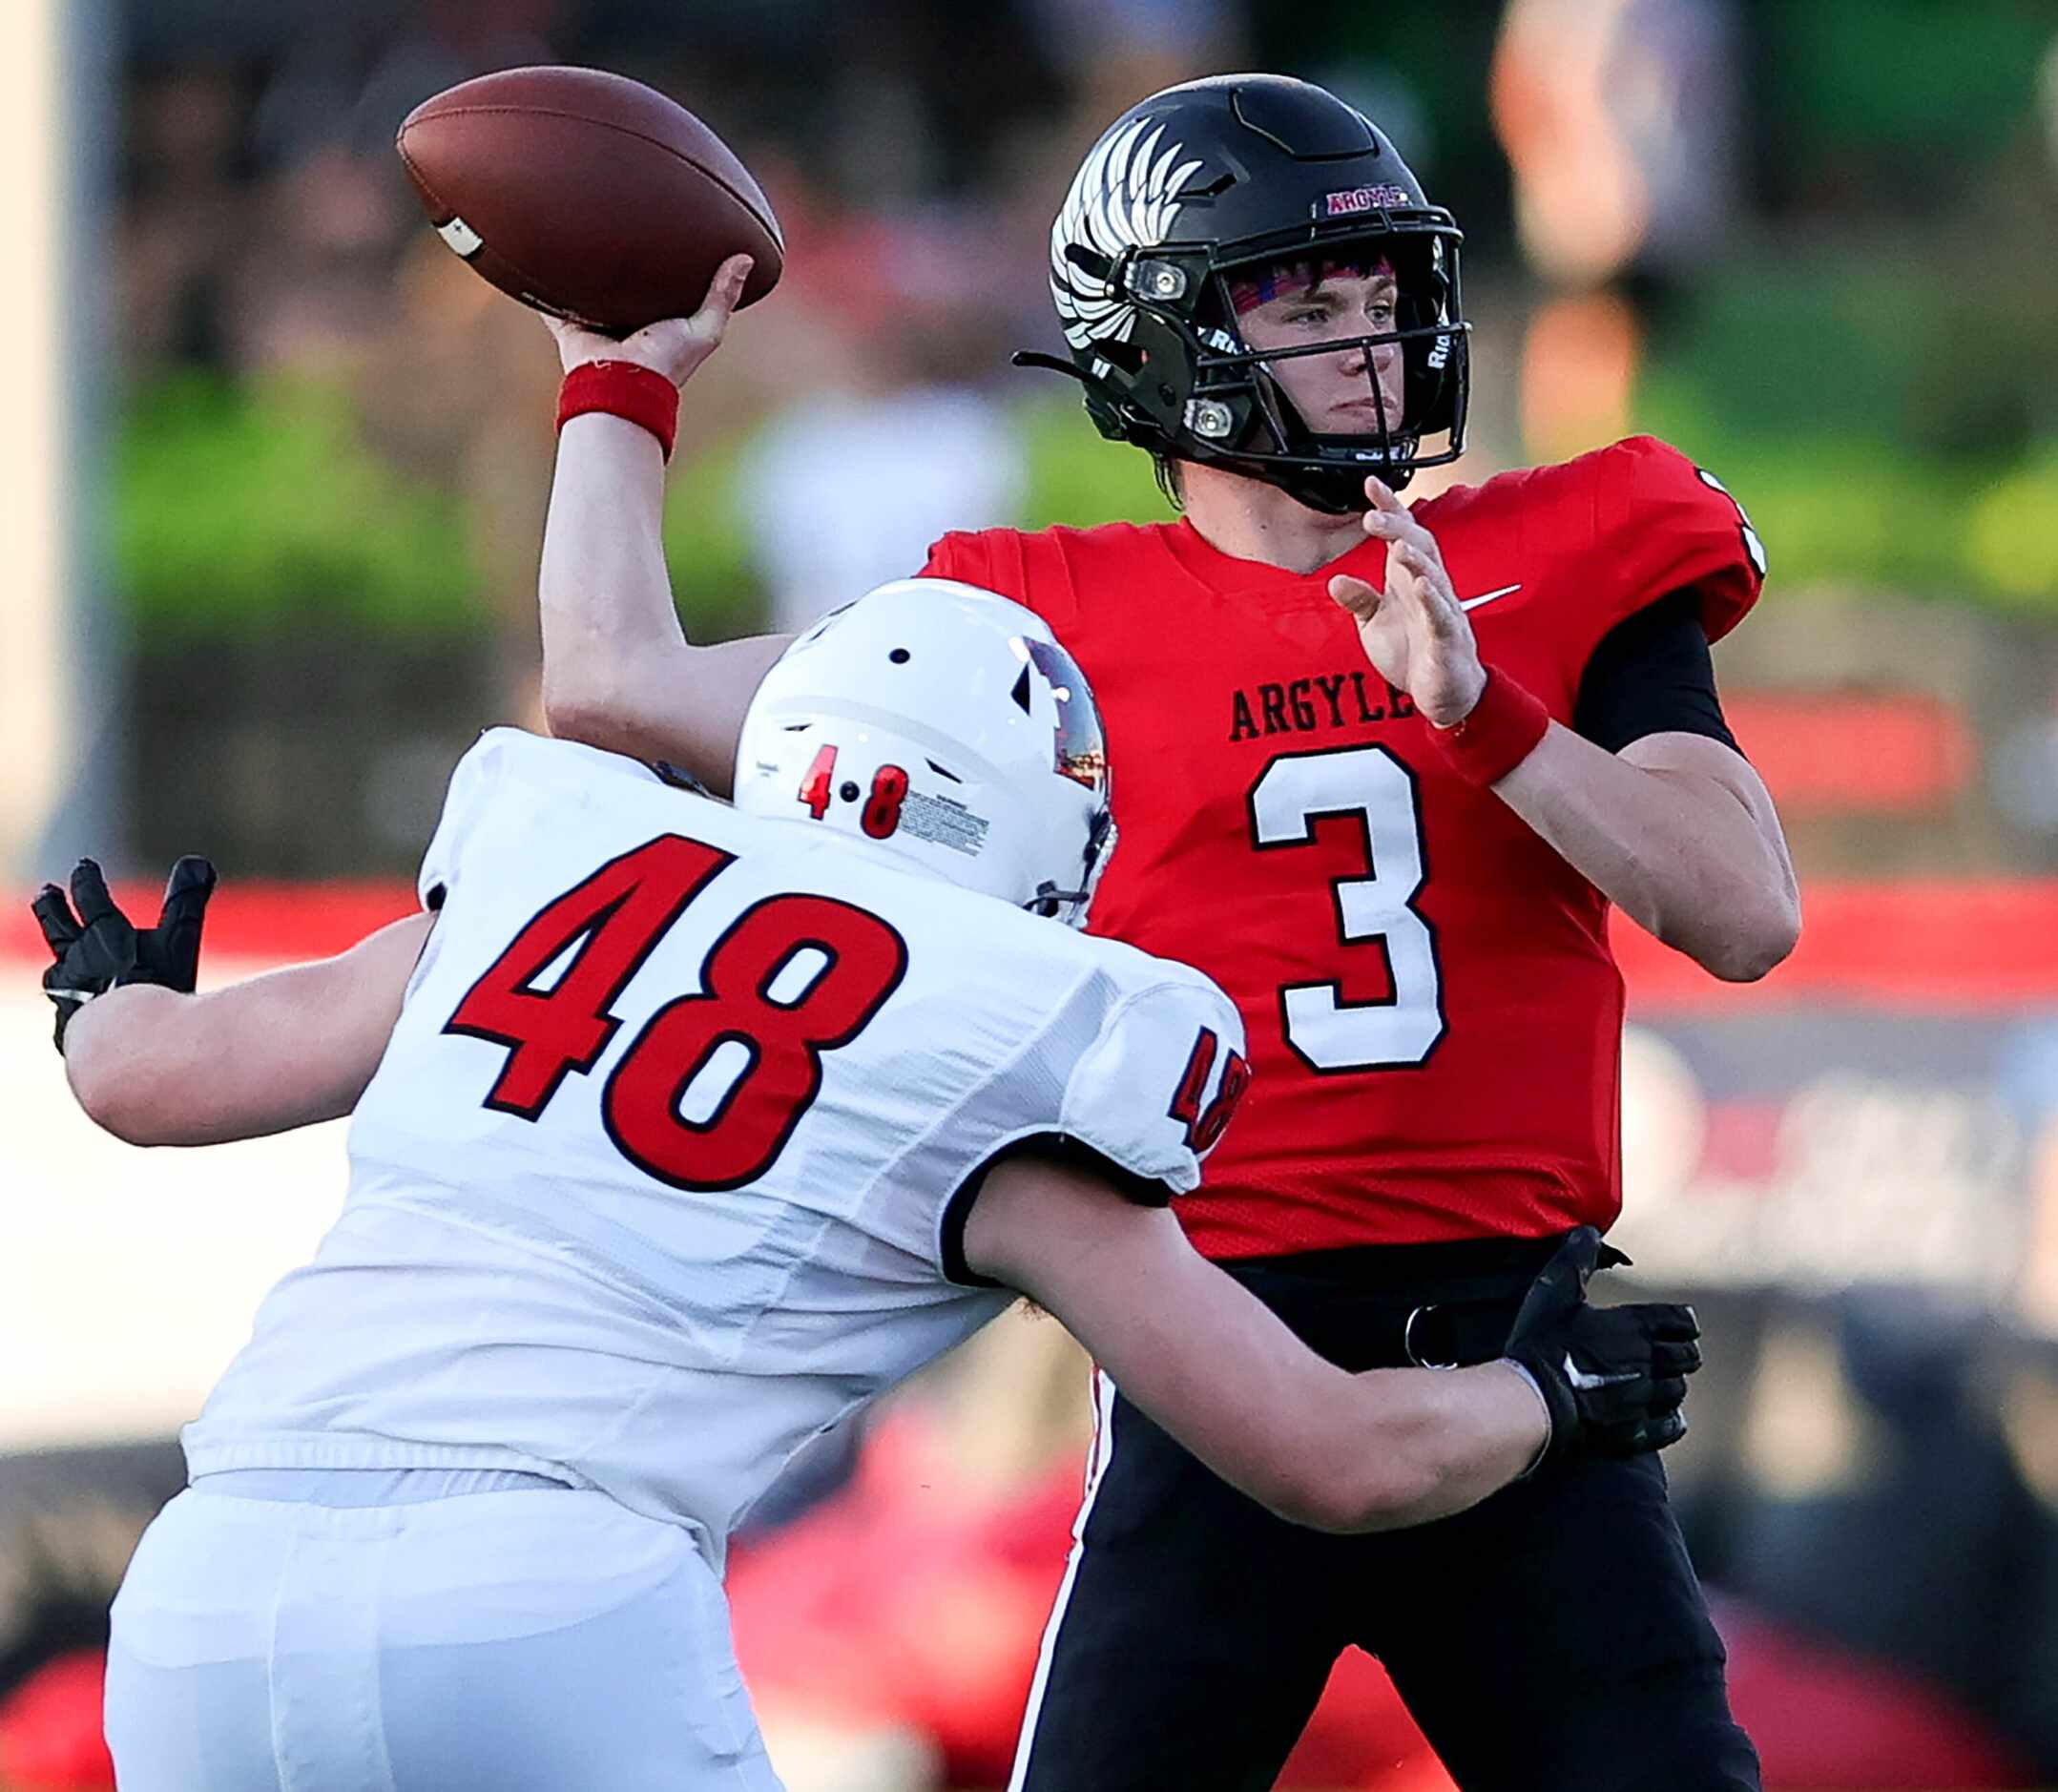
(587,195)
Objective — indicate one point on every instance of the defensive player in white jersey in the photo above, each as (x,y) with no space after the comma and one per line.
(681,1131)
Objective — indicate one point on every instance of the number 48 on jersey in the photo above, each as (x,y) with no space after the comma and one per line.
(711,1088)
(792,977)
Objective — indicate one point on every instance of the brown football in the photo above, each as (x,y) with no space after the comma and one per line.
(587,195)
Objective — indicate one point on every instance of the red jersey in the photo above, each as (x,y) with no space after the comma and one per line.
(1434,1017)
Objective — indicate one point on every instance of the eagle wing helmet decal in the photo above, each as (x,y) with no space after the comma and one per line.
(1127,196)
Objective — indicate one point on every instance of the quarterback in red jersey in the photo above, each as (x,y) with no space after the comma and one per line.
(1385,771)
(1289,826)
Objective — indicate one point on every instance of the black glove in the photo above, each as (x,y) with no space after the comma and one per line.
(1614,1377)
(98,949)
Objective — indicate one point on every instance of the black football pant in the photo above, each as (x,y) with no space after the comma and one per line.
(1553,1639)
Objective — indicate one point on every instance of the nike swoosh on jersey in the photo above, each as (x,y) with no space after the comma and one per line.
(1474,603)
(1586,1384)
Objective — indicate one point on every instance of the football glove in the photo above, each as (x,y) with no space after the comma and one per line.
(1614,1377)
(98,947)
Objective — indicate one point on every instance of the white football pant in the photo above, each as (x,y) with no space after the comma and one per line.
(549,1639)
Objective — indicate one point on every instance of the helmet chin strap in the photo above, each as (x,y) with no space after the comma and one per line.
(1050,902)
(1048,899)
(1334,490)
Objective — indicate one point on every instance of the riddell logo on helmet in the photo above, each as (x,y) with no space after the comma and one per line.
(1354,199)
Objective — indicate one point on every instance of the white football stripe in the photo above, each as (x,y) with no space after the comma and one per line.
(461,236)
(1097,1460)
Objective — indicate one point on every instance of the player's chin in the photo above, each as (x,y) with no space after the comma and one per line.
(1359,418)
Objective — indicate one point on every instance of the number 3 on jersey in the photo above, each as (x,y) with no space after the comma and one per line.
(792,977)
(1328,1033)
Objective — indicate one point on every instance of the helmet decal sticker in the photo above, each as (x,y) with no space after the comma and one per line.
(1354,199)
(945,821)
(1126,196)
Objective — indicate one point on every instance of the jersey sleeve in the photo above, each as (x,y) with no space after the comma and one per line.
(1159,1084)
(1662,524)
(1133,1080)
(1027,568)
(958,556)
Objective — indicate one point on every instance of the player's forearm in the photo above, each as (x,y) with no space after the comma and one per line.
(150,1067)
(609,623)
(1338,1453)
(1444,1440)
(284,1050)
(618,672)
(1227,1378)
(1696,863)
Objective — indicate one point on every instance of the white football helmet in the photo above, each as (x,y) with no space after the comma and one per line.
(945,725)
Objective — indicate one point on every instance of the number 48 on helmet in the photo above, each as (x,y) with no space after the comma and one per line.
(945,725)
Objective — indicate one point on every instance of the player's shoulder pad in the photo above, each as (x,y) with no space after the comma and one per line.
(471,782)
(981,557)
(1160,1079)
(501,760)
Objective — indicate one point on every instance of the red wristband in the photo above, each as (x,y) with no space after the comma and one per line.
(639,395)
(1501,732)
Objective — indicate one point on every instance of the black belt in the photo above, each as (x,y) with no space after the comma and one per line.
(1394,1306)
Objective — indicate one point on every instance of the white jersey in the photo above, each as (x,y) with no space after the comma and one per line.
(656,1178)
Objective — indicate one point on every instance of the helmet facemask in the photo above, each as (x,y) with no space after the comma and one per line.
(1072,906)
(1186,382)
(1266,433)
(1081,756)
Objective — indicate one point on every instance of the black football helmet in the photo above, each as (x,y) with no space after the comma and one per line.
(1226,174)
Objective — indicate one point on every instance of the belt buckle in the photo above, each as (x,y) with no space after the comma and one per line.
(1408,1339)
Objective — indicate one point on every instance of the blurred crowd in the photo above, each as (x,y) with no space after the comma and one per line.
(911,154)
(274,264)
